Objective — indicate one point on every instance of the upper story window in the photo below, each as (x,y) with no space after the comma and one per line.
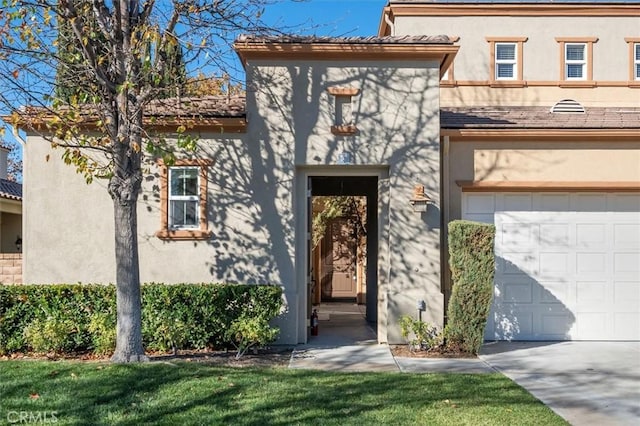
(506,61)
(634,59)
(505,68)
(183,200)
(576,59)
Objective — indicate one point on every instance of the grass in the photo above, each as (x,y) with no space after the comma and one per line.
(183,393)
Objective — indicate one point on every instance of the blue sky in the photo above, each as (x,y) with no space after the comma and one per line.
(319,17)
(329,17)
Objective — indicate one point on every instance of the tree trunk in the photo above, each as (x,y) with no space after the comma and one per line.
(128,298)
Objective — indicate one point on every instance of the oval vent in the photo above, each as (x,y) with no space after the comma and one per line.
(568,106)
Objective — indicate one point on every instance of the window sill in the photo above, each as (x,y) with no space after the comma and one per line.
(183,234)
(344,130)
(584,83)
(634,84)
(507,83)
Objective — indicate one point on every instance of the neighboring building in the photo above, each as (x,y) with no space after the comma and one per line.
(10,224)
(540,116)
(494,140)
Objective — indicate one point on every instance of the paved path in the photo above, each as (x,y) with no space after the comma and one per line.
(587,383)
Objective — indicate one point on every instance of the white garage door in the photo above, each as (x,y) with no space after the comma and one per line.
(567,265)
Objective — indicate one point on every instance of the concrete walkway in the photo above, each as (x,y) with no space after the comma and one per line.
(346,342)
(587,383)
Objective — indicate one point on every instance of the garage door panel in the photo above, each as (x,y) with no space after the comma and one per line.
(624,263)
(589,202)
(626,325)
(556,326)
(626,235)
(517,263)
(626,293)
(552,235)
(552,202)
(554,263)
(570,270)
(554,292)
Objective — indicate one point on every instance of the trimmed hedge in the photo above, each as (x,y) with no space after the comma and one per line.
(472,263)
(82,317)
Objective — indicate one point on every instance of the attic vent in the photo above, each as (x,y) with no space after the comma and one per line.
(568,106)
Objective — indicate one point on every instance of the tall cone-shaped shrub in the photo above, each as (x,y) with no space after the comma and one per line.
(472,263)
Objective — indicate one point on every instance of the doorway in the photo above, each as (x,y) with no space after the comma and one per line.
(343,248)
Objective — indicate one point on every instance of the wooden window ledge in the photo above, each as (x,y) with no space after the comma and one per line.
(183,234)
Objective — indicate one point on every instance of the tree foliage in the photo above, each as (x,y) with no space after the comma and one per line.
(119,53)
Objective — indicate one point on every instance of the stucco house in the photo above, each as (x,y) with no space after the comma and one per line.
(10,223)
(533,127)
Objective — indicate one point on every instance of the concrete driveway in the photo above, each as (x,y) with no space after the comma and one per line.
(587,383)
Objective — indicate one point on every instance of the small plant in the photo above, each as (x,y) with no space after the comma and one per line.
(51,334)
(246,333)
(425,336)
(102,328)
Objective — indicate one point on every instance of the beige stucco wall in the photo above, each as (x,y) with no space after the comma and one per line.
(256,193)
(540,161)
(397,117)
(541,56)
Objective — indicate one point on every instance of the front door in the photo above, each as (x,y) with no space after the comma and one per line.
(339,261)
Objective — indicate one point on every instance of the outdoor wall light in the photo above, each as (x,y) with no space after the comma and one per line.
(19,244)
(419,200)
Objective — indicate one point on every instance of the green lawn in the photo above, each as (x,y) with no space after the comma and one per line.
(183,393)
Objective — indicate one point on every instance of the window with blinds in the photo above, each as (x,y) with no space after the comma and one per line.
(575,61)
(505,66)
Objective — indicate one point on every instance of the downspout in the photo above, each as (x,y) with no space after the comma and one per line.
(444,205)
(392,28)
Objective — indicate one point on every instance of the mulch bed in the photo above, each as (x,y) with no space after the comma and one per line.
(403,351)
(266,357)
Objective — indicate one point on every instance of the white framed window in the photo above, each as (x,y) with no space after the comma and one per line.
(575,61)
(506,61)
(636,60)
(184,197)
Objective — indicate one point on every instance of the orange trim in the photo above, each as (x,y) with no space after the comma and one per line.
(527,134)
(343,91)
(540,83)
(631,42)
(577,39)
(444,53)
(166,125)
(597,10)
(184,234)
(588,81)
(544,186)
(519,42)
(344,130)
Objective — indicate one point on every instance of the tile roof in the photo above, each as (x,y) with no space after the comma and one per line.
(295,39)
(10,190)
(203,106)
(538,118)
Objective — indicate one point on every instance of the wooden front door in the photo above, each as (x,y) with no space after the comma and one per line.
(339,261)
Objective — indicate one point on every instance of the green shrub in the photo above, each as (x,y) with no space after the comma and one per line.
(419,334)
(51,334)
(472,263)
(246,333)
(102,329)
(81,318)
